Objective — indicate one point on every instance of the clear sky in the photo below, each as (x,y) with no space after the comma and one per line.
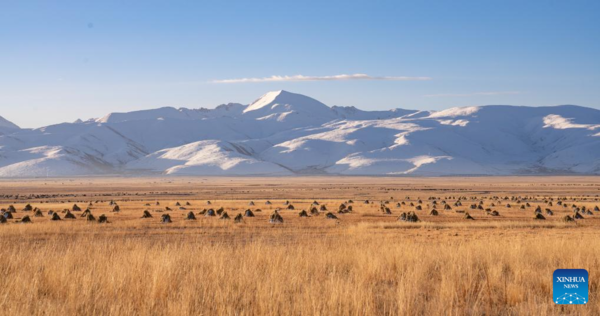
(63,60)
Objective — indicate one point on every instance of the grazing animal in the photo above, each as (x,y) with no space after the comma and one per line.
(409,217)
(190,216)
(330,216)
(276,218)
(539,216)
(165,218)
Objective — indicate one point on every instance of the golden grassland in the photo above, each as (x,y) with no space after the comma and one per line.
(364,263)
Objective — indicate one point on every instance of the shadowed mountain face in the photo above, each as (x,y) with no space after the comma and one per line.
(283,133)
(6,125)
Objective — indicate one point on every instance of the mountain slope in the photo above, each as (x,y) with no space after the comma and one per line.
(283,133)
(288,108)
(6,125)
(206,158)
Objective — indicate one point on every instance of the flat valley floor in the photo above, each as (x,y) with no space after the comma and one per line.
(351,255)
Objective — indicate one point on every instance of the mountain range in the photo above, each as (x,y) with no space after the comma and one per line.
(284,133)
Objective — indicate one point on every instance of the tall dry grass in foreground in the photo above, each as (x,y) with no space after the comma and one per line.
(355,273)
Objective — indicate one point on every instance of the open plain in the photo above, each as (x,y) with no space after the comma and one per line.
(351,255)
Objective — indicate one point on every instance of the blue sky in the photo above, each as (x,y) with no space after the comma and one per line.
(63,60)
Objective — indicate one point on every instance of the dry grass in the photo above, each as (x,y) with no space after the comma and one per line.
(361,265)
(356,274)
(466,225)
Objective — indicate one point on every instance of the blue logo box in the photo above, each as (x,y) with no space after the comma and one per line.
(570,286)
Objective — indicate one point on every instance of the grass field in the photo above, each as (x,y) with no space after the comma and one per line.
(364,263)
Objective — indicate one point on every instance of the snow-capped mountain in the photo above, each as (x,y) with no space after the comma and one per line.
(284,133)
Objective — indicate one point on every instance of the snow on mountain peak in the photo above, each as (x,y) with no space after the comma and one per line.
(275,100)
(559,122)
(263,101)
(144,115)
(454,112)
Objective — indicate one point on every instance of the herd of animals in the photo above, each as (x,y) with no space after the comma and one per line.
(434,204)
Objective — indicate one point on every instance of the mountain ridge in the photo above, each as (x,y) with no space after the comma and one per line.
(283,133)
